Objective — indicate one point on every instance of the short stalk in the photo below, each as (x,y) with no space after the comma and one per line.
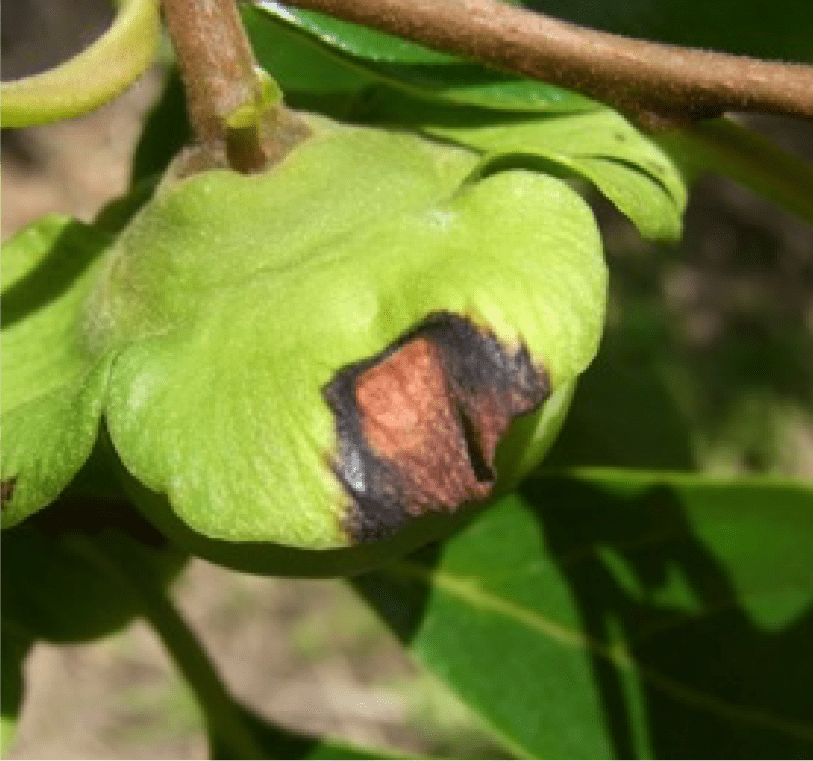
(235,108)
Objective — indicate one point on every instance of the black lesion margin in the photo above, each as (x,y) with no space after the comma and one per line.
(477,366)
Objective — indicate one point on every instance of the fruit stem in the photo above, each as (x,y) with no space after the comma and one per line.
(234,107)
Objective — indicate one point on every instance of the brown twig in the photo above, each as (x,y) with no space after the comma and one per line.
(659,83)
(223,83)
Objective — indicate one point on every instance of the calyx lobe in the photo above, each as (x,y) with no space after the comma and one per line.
(418,424)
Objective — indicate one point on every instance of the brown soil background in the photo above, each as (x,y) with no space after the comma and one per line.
(307,654)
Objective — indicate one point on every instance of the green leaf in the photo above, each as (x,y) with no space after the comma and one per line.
(342,57)
(625,414)
(729,148)
(637,615)
(234,731)
(599,146)
(345,66)
(53,387)
(235,300)
(52,587)
(96,75)
(301,65)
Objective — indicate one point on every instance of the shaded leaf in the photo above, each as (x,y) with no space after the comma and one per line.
(278,742)
(52,589)
(732,398)
(234,731)
(637,614)
(53,387)
(624,412)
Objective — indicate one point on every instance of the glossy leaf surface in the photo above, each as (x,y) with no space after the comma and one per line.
(345,57)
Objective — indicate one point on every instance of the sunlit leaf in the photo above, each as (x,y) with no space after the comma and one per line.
(600,146)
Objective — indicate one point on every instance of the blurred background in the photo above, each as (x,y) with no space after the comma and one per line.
(728,312)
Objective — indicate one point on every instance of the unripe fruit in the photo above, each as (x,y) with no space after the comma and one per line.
(370,332)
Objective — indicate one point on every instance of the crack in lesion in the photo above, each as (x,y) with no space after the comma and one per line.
(475,450)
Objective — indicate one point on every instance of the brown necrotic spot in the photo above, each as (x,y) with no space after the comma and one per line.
(7,490)
(418,425)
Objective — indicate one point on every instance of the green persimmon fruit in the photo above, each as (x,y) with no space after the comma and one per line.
(351,347)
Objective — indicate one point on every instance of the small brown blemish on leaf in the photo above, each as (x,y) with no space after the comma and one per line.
(7,490)
(418,425)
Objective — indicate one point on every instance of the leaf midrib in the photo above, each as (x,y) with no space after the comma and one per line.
(471,591)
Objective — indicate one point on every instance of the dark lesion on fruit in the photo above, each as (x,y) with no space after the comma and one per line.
(418,424)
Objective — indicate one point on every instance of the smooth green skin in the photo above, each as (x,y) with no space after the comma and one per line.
(517,454)
(207,330)
(95,76)
(232,301)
